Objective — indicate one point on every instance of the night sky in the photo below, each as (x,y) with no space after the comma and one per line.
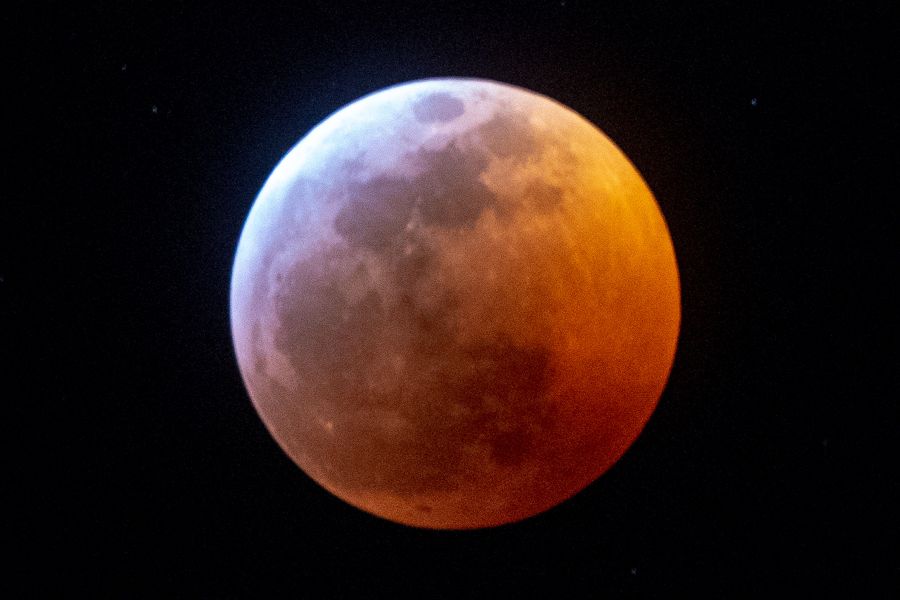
(144,131)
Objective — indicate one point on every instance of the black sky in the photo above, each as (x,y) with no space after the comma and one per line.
(144,130)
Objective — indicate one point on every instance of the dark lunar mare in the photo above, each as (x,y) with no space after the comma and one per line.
(450,397)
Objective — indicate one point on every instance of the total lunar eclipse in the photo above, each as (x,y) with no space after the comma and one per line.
(455,303)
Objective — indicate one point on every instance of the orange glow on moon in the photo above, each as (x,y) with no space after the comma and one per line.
(455,303)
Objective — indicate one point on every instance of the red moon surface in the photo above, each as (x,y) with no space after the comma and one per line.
(455,303)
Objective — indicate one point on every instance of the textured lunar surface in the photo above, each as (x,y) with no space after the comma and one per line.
(455,303)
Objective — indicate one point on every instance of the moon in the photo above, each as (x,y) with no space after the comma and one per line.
(455,303)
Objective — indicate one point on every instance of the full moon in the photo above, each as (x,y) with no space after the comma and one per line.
(455,303)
